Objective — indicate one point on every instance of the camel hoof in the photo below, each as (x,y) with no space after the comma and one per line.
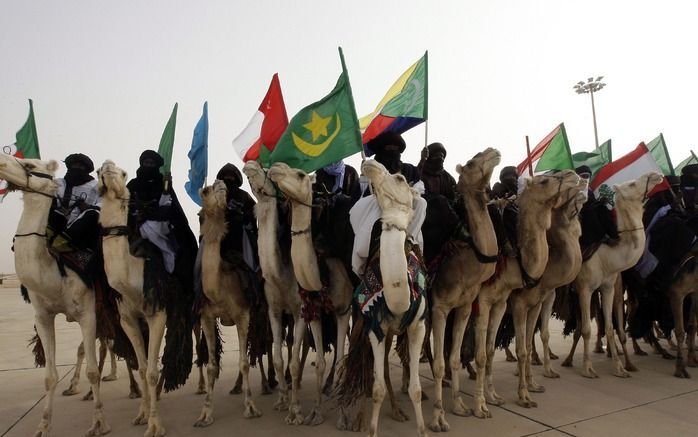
(236,390)
(89,396)
(460,409)
(692,362)
(70,391)
(41,433)
(99,427)
(526,403)
(266,389)
(550,373)
(496,401)
(589,373)
(535,388)
(314,418)
(294,417)
(511,359)
(667,356)
(398,415)
(281,404)
(681,373)
(135,394)
(251,411)
(142,418)
(203,422)
(482,412)
(567,363)
(536,362)
(155,429)
(112,377)
(553,356)
(640,352)
(630,367)
(438,423)
(200,391)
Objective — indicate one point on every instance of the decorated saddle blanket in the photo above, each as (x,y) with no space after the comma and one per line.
(369,298)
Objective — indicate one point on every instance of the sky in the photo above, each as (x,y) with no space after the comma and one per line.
(105,75)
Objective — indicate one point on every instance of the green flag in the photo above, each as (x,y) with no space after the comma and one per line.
(594,160)
(27,141)
(690,160)
(552,153)
(658,149)
(167,141)
(321,133)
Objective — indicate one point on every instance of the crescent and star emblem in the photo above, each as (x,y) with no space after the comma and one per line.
(317,127)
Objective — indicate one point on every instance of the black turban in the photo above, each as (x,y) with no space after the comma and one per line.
(673,180)
(230,171)
(79,157)
(379,143)
(434,147)
(510,169)
(152,154)
(583,169)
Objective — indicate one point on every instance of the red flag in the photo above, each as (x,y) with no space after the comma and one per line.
(266,126)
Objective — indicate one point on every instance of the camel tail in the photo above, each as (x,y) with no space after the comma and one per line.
(37,350)
(506,332)
(356,375)
(178,355)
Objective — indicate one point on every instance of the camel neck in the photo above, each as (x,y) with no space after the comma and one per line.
(480,222)
(630,228)
(31,253)
(565,257)
(268,217)
(212,232)
(534,221)
(393,268)
(305,263)
(118,259)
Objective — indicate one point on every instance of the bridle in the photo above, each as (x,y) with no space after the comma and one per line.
(30,173)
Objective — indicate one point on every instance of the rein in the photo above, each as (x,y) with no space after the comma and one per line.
(37,174)
(30,234)
(115,231)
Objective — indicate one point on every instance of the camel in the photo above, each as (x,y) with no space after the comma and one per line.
(463,272)
(125,274)
(296,185)
(280,288)
(564,262)
(601,271)
(223,287)
(682,286)
(541,194)
(50,292)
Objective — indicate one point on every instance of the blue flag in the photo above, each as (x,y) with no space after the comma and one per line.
(198,157)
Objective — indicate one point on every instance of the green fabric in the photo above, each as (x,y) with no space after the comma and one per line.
(321,133)
(557,154)
(27,141)
(690,160)
(658,149)
(596,159)
(167,142)
(412,100)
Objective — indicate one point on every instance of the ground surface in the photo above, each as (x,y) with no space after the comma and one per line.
(650,403)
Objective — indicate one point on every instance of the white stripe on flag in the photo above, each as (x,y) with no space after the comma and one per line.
(642,165)
(249,135)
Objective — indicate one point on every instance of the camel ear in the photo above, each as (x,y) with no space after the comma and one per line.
(52,166)
(459,169)
(312,178)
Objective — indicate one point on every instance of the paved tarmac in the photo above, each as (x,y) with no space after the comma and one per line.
(650,403)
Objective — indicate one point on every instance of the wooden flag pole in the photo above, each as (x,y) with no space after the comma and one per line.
(528,154)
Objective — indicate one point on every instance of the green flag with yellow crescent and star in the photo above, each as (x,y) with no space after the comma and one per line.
(321,133)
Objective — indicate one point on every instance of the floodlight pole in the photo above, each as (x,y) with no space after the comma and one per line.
(591,86)
(593,115)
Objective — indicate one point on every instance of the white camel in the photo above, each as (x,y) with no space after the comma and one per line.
(49,291)
(280,288)
(296,185)
(223,287)
(600,272)
(458,282)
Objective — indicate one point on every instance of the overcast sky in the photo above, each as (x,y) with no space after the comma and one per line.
(105,75)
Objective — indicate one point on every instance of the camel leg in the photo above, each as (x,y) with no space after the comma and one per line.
(47,333)
(112,364)
(531,321)
(498,311)
(89,332)
(271,377)
(438,325)
(100,365)
(679,330)
(585,306)
(576,335)
(598,346)
(535,358)
(509,355)
(637,349)
(156,331)
(546,314)
(243,324)
(201,386)
(620,317)
(277,334)
(481,322)
(134,390)
(208,325)
(342,329)
(520,314)
(415,337)
(266,389)
(691,340)
(75,380)
(396,412)
(460,322)
(315,416)
(237,388)
(132,329)
(607,292)
(378,382)
(295,416)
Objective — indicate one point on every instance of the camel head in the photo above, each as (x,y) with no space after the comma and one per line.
(394,195)
(111,181)
(31,175)
(296,184)
(636,190)
(548,189)
(213,198)
(476,173)
(260,183)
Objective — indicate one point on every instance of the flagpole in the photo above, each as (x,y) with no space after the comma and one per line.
(528,155)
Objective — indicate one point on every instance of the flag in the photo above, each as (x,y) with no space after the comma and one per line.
(690,160)
(26,144)
(198,158)
(553,153)
(631,166)
(266,125)
(657,148)
(594,160)
(403,107)
(167,141)
(321,133)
